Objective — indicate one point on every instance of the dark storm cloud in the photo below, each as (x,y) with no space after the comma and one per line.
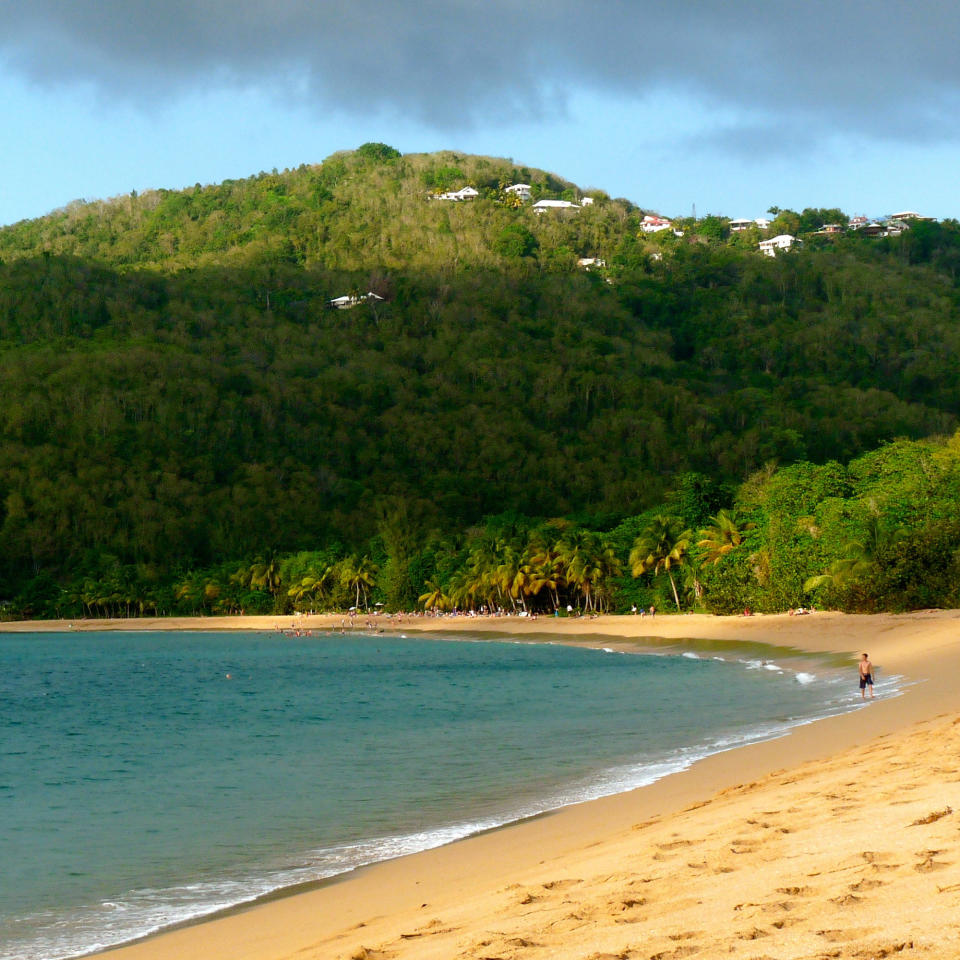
(882,67)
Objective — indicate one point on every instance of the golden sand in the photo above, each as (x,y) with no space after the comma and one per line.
(841,839)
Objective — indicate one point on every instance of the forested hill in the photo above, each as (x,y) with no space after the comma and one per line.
(365,210)
(175,388)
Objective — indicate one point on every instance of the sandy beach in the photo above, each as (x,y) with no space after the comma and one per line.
(841,839)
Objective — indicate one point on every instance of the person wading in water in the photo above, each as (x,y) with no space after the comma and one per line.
(866,676)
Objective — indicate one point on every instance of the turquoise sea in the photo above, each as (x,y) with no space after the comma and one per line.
(147,779)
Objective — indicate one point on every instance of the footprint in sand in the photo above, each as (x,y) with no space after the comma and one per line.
(364,953)
(778,906)
(862,885)
(796,891)
(926,863)
(884,948)
(431,929)
(675,954)
(627,903)
(625,955)
(843,936)
(560,884)
(674,844)
(876,859)
(846,900)
(569,923)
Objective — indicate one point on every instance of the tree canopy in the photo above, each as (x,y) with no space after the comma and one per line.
(179,400)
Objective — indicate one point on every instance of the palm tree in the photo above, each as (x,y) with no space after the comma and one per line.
(604,565)
(260,575)
(546,561)
(861,556)
(721,537)
(507,575)
(459,589)
(359,575)
(313,586)
(663,546)
(481,580)
(588,562)
(435,598)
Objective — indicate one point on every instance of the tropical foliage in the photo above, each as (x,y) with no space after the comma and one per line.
(187,424)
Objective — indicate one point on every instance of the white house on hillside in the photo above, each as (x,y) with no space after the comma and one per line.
(522,190)
(651,224)
(542,205)
(346,301)
(745,223)
(782,242)
(467,193)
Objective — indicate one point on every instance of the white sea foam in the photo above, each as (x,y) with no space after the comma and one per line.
(690,655)
(805,678)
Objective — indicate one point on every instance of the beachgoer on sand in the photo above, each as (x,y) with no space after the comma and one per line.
(866,676)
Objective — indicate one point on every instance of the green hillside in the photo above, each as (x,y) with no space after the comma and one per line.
(176,391)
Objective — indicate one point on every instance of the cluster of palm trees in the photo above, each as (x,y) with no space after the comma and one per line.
(666,546)
(542,573)
(320,584)
(579,567)
(356,574)
(544,570)
(112,595)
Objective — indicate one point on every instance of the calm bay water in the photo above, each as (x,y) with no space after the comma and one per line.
(148,778)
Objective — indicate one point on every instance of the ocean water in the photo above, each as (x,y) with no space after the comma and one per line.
(151,778)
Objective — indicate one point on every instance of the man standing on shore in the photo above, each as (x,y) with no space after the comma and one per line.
(866,676)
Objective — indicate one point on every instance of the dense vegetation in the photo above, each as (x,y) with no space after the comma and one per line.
(187,424)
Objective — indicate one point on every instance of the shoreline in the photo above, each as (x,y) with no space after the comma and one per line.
(355,914)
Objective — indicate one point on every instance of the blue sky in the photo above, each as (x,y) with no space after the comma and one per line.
(729,106)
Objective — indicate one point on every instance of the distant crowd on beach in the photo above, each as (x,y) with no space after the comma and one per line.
(378,619)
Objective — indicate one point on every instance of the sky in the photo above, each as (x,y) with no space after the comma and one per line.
(715,106)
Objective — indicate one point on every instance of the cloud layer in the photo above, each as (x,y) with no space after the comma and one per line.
(882,68)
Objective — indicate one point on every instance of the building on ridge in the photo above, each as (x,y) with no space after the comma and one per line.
(652,224)
(542,205)
(522,190)
(466,193)
(347,301)
(783,241)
